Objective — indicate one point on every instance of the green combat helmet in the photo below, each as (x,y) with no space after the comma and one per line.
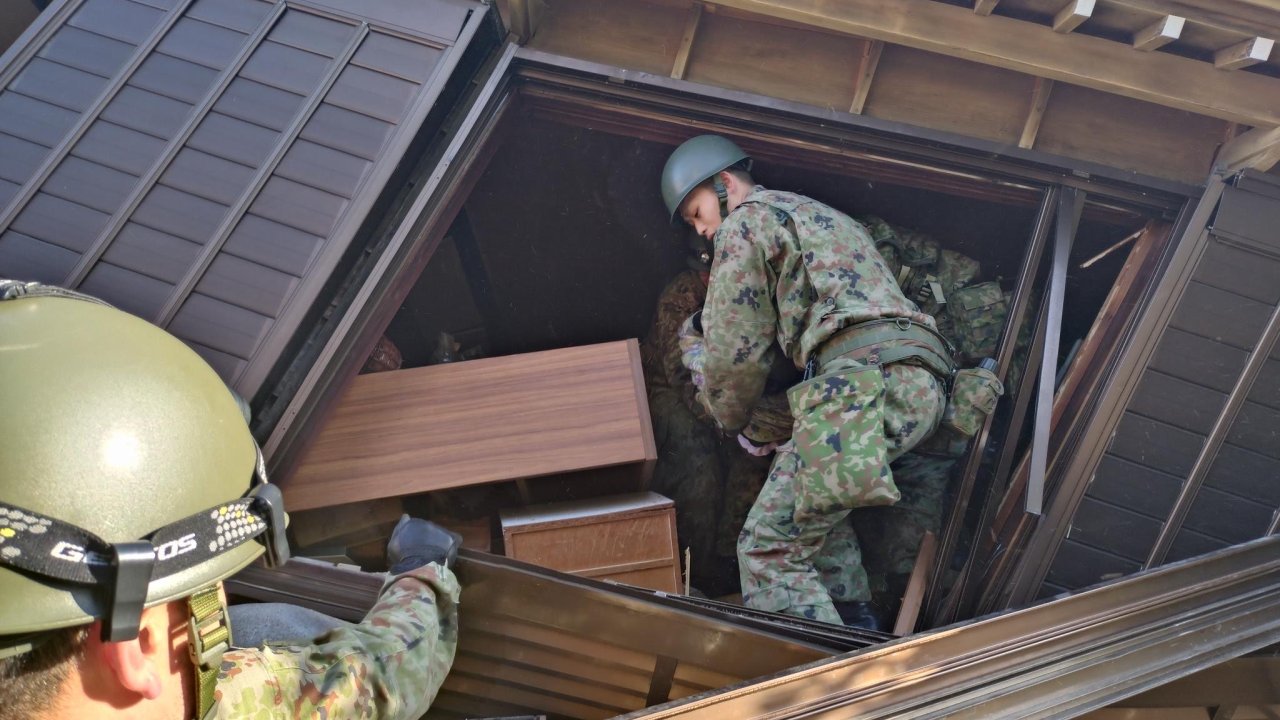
(128,477)
(693,163)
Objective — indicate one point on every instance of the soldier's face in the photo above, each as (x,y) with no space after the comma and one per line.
(701,209)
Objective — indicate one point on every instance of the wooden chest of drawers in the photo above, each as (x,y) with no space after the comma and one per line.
(628,538)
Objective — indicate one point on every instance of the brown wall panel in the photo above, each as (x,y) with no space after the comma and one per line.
(769,59)
(633,35)
(1227,517)
(1117,530)
(1246,473)
(934,91)
(1128,134)
(1080,566)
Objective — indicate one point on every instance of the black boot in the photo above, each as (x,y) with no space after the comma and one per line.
(860,614)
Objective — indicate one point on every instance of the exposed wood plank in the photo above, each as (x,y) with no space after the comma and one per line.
(1244,54)
(429,428)
(1039,101)
(984,7)
(1258,148)
(910,612)
(686,41)
(1160,33)
(1072,15)
(866,74)
(1097,63)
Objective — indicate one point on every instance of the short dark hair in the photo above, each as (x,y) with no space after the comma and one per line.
(30,682)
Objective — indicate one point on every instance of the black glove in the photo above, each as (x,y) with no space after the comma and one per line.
(415,543)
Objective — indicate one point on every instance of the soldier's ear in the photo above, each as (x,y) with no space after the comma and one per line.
(141,664)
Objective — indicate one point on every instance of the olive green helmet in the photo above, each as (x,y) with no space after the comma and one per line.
(693,163)
(128,476)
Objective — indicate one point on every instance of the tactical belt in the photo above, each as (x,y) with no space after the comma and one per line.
(894,340)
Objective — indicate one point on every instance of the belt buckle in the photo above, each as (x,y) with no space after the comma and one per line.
(902,324)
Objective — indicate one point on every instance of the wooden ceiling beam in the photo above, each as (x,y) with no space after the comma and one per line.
(984,7)
(1246,17)
(1160,33)
(866,74)
(1072,15)
(1258,149)
(1244,54)
(1039,101)
(1159,78)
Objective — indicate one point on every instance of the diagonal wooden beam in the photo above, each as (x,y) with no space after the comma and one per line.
(866,74)
(1243,54)
(1258,149)
(1039,101)
(686,42)
(984,7)
(1160,78)
(1072,15)
(1160,33)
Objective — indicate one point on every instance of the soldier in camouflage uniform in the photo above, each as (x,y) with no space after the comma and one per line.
(711,479)
(130,487)
(790,270)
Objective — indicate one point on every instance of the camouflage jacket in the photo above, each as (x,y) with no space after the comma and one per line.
(790,269)
(660,351)
(389,666)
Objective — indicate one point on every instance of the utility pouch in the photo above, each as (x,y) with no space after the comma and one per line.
(974,393)
(839,442)
(977,314)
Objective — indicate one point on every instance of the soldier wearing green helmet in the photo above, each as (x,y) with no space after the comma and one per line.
(790,271)
(130,487)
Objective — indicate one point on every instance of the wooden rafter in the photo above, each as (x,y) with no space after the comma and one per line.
(1160,33)
(984,7)
(1245,17)
(866,74)
(686,42)
(1160,78)
(1243,54)
(1039,101)
(1072,15)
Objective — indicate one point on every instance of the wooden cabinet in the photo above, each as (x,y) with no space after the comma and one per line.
(628,538)
(506,418)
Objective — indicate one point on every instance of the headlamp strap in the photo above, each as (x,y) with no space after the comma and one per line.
(57,550)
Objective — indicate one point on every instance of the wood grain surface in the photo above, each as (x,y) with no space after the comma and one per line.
(444,426)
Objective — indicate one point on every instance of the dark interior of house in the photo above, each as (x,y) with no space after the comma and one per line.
(564,242)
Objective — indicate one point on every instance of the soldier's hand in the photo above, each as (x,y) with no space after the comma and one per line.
(415,542)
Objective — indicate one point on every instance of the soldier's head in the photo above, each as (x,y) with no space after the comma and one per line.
(130,486)
(704,180)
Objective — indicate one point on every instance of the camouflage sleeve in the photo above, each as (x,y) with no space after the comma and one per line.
(739,320)
(391,665)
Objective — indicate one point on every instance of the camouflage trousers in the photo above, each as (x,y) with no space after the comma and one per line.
(802,562)
(713,483)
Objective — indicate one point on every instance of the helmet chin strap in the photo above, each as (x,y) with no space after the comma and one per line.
(722,193)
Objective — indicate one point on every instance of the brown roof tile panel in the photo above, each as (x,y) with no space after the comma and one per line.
(88,51)
(26,257)
(241,15)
